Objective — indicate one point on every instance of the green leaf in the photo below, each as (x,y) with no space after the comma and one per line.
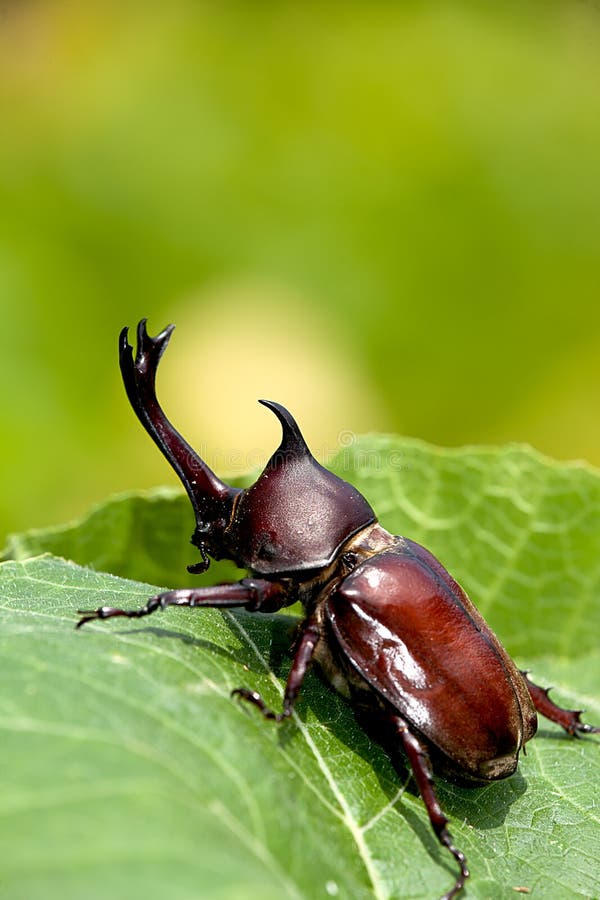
(143,535)
(128,771)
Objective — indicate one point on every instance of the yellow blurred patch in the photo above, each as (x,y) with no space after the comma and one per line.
(240,343)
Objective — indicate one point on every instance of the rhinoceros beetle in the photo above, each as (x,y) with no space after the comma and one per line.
(391,629)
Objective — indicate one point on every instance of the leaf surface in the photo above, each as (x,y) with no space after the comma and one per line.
(128,771)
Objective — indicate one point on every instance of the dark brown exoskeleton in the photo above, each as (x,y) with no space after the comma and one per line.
(390,627)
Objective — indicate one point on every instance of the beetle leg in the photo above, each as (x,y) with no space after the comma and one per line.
(569,719)
(255,594)
(303,654)
(421,767)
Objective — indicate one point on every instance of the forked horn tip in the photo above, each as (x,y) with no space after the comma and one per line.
(124,338)
(161,338)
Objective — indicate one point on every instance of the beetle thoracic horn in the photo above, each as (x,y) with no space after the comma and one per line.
(292,441)
(210,496)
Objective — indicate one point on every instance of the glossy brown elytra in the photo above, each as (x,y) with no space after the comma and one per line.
(389,626)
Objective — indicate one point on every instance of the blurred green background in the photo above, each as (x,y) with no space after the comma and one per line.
(386,216)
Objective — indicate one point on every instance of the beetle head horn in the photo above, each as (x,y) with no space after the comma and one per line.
(211,498)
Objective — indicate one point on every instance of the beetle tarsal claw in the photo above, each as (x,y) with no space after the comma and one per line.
(459,856)
(88,615)
(255,699)
(583,728)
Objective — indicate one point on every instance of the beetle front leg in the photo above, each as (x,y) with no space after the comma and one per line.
(303,654)
(254,594)
(421,768)
(569,719)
